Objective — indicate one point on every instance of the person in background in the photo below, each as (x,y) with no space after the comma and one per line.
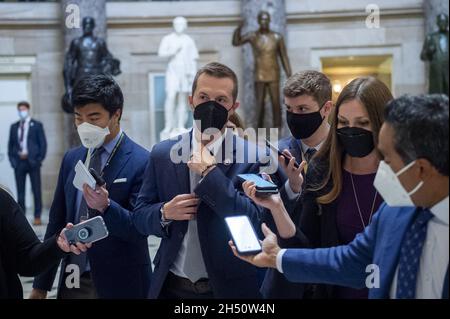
(27,148)
(404,252)
(21,252)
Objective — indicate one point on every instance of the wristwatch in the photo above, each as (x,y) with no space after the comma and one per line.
(164,222)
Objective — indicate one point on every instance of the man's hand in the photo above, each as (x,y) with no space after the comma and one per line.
(64,245)
(294,174)
(268,256)
(269,202)
(202,162)
(181,207)
(97,199)
(38,294)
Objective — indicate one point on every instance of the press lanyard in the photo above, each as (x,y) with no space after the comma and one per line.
(116,147)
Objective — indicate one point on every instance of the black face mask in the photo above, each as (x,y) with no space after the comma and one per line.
(211,115)
(303,125)
(357,142)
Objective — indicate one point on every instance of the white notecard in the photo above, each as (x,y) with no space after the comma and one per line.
(82,176)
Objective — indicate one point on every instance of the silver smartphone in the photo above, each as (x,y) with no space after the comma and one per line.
(89,231)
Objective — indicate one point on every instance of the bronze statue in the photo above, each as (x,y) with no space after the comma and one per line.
(267,47)
(87,55)
(435,50)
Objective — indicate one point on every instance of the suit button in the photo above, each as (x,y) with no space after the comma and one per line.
(180,235)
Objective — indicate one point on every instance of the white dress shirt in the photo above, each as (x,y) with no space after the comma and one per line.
(24,144)
(192,232)
(434,259)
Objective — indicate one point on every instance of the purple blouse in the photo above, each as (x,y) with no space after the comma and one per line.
(348,220)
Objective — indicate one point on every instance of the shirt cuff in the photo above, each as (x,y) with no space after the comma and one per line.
(289,192)
(280,260)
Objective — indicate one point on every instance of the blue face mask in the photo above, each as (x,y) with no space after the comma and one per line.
(23,114)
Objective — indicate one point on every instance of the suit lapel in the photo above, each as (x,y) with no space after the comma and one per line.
(118,161)
(295,150)
(226,163)
(181,169)
(445,288)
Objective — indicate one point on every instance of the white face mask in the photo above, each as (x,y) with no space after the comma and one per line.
(92,136)
(389,187)
(23,114)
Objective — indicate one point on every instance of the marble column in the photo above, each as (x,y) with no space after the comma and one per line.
(87,8)
(250,10)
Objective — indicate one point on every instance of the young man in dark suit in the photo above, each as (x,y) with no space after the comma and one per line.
(307,97)
(26,150)
(118,266)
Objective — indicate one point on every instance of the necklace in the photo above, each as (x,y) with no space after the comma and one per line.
(357,203)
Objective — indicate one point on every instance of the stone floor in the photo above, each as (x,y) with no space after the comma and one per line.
(153,244)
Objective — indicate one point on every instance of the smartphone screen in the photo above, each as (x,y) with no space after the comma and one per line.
(260,182)
(243,234)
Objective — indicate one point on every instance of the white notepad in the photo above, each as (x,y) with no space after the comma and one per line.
(82,176)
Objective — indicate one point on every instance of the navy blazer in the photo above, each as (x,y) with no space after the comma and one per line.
(120,264)
(218,191)
(36,144)
(379,244)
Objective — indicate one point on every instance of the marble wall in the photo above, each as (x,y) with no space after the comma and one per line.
(315,29)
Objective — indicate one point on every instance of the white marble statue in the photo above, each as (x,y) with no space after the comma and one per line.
(182,53)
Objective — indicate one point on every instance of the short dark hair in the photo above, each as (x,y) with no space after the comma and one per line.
(217,70)
(310,82)
(101,89)
(420,124)
(23,103)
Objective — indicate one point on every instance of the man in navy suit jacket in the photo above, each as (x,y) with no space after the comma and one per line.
(27,147)
(118,266)
(185,199)
(404,252)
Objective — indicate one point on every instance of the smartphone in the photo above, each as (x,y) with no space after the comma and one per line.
(89,231)
(263,187)
(280,153)
(98,178)
(243,235)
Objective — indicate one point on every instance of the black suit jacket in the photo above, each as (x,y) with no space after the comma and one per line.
(36,144)
(21,252)
(275,285)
